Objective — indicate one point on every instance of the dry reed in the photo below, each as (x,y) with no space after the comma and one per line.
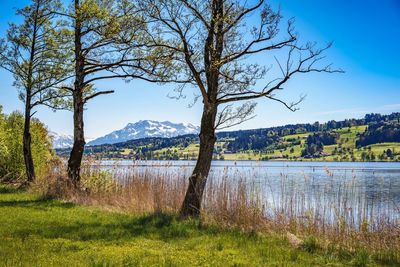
(232,201)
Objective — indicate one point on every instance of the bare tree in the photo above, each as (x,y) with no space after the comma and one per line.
(108,44)
(33,53)
(214,42)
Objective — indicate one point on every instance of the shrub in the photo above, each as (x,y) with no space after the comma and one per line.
(12,163)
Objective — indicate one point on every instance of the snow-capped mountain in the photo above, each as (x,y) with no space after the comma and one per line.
(61,140)
(146,128)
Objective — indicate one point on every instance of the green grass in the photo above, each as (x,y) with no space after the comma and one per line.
(126,151)
(42,232)
(347,139)
(190,151)
(378,149)
(243,156)
(302,136)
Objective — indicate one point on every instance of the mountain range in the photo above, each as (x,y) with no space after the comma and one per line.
(132,131)
(61,141)
(144,129)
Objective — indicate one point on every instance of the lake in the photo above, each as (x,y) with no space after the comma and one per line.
(355,191)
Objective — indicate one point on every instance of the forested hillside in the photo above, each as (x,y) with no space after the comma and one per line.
(372,138)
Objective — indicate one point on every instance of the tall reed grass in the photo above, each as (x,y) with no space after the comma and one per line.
(334,212)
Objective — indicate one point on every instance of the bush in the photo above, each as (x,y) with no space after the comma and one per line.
(12,163)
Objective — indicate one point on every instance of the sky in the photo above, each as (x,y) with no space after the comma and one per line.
(366,41)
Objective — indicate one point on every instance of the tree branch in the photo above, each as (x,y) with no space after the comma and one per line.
(86,99)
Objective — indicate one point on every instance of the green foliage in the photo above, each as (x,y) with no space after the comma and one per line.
(3,146)
(111,33)
(35,53)
(11,151)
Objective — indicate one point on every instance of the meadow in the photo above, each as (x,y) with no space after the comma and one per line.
(46,232)
(38,231)
(130,218)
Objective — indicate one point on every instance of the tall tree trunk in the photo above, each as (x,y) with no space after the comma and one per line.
(197,181)
(27,140)
(75,159)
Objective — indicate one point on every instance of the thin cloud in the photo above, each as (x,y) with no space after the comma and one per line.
(357,111)
(391,107)
(344,111)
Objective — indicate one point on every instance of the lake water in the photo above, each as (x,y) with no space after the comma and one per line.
(356,190)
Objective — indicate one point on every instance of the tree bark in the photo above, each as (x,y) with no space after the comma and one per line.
(75,159)
(197,181)
(27,141)
(27,138)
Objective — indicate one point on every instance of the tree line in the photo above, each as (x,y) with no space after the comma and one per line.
(315,143)
(62,49)
(379,133)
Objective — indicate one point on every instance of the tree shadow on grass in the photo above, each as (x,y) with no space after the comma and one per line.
(9,190)
(98,225)
(161,226)
(35,203)
(93,226)
(157,227)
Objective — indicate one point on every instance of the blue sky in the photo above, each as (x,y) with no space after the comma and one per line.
(366,36)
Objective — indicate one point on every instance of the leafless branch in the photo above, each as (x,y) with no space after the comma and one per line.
(97,94)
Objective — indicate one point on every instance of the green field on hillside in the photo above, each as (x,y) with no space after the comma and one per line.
(345,147)
(290,147)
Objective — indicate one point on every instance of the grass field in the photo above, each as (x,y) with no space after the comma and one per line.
(41,232)
(189,152)
(346,142)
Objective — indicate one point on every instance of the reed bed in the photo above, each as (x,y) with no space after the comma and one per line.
(337,213)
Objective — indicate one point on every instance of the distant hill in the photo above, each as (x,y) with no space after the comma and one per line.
(375,137)
(144,129)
